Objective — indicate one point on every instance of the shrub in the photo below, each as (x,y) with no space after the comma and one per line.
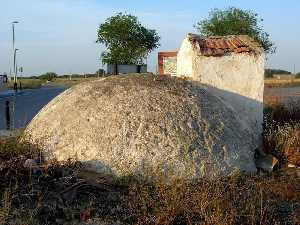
(282,132)
(48,76)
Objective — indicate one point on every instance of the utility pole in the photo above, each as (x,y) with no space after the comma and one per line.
(21,72)
(15,69)
(15,76)
(14,52)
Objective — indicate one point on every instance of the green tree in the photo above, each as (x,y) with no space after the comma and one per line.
(48,76)
(126,40)
(235,21)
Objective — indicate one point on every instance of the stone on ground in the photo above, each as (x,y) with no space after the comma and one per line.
(144,126)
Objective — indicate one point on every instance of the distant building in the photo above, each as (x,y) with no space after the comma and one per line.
(3,78)
(113,69)
(284,76)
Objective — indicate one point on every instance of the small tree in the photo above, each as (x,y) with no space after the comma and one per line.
(48,76)
(234,21)
(127,41)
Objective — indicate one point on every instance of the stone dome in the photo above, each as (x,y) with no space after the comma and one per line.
(144,125)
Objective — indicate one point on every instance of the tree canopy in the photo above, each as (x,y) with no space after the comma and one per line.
(126,39)
(48,76)
(235,21)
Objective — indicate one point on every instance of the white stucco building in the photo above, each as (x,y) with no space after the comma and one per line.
(233,67)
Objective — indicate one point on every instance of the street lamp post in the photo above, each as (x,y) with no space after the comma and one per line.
(15,70)
(21,75)
(14,51)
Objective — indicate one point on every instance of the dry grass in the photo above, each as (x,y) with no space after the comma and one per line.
(5,207)
(27,83)
(37,83)
(74,81)
(64,194)
(271,83)
(236,200)
(282,131)
(11,148)
(78,80)
(284,143)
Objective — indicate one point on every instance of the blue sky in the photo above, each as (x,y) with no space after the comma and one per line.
(60,35)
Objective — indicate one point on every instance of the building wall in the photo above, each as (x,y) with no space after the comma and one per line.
(125,69)
(185,59)
(237,78)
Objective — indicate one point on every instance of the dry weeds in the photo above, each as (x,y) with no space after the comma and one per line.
(273,83)
(64,194)
(282,131)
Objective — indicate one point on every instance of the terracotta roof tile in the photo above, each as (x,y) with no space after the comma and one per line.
(218,46)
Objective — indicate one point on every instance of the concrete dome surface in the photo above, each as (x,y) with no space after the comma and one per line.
(144,125)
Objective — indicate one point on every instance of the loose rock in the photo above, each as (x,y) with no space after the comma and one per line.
(142,126)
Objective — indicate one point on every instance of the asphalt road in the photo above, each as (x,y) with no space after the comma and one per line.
(27,104)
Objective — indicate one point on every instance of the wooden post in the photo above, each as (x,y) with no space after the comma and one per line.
(116,69)
(15,86)
(139,68)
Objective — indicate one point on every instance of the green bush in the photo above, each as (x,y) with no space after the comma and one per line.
(48,76)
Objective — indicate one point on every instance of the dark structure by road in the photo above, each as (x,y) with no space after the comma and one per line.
(3,79)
